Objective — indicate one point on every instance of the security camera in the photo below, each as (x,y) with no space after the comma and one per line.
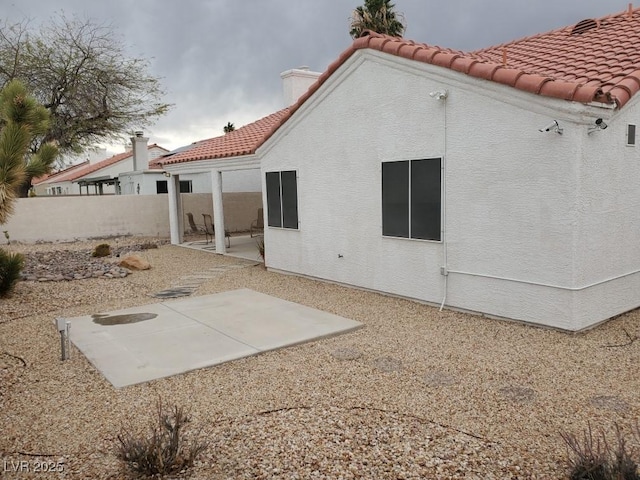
(552,127)
(600,124)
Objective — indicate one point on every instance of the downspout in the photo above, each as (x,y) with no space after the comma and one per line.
(442,96)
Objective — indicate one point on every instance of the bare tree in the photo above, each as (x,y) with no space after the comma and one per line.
(81,74)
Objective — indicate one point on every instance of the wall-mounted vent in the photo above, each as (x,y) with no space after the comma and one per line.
(631,135)
(584,26)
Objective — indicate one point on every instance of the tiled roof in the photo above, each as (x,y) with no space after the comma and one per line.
(242,141)
(73,173)
(600,64)
(594,60)
(101,164)
(59,176)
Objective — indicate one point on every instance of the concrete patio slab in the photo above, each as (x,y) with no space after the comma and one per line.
(144,343)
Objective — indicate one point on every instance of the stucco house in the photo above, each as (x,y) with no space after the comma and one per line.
(230,160)
(103,176)
(501,181)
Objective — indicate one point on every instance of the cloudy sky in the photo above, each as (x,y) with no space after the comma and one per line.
(220,60)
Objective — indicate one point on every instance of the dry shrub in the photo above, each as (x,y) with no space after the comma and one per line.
(168,447)
(593,458)
(102,250)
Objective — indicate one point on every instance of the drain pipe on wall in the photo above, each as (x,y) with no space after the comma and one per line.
(442,95)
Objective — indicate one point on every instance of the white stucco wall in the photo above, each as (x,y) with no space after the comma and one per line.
(518,201)
(241,181)
(607,260)
(61,219)
(66,188)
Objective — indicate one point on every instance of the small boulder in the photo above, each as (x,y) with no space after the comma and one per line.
(134,262)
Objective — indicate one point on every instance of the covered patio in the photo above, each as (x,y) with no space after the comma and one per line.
(232,152)
(242,246)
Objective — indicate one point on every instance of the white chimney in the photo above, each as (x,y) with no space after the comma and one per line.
(140,152)
(296,82)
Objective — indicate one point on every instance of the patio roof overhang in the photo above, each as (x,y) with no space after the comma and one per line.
(104,180)
(244,162)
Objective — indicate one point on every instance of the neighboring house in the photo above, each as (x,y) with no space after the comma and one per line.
(229,160)
(60,182)
(103,176)
(485,181)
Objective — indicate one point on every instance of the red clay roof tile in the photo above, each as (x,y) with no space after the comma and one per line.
(598,62)
(59,176)
(242,141)
(74,172)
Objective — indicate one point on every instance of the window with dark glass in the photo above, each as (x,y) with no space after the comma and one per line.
(282,199)
(411,199)
(186,186)
(163,187)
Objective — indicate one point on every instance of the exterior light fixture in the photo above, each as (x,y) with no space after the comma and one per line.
(439,94)
(552,127)
(166,174)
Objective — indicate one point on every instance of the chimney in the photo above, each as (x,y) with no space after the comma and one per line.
(296,82)
(140,152)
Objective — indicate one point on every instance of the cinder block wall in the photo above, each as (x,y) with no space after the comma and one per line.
(61,219)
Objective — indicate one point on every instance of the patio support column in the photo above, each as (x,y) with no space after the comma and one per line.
(218,211)
(176,223)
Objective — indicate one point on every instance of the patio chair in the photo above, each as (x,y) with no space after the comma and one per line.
(258,224)
(195,228)
(209,231)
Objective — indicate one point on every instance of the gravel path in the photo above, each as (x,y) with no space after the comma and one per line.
(417,393)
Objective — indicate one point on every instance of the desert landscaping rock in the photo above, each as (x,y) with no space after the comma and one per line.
(66,265)
(300,412)
(134,262)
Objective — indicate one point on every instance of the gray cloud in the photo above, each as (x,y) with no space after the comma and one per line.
(220,60)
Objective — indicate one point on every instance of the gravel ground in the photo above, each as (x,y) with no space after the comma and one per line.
(417,393)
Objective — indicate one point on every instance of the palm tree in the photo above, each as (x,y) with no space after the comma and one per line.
(229,127)
(22,120)
(377,15)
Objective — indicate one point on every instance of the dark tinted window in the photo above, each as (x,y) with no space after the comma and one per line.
(411,205)
(631,134)
(395,199)
(274,209)
(425,199)
(289,199)
(185,186)
(161,186)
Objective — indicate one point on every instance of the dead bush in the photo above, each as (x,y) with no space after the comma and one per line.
(168,447)
(592,457)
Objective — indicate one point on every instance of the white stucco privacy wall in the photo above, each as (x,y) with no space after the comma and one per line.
(520,236)
(60,219)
